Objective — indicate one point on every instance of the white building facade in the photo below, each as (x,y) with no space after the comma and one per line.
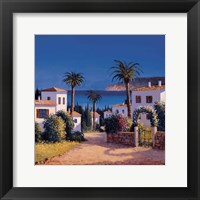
(107,114)
(147,96)
(120,109)
(43,108)
(57,95)
(77,121)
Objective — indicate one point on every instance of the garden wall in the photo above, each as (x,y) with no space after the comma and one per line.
(160,140)
(126,138)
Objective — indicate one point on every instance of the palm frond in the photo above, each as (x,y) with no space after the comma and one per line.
(73,79)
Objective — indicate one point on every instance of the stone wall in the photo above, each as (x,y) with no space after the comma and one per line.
(160,140)
(126,138)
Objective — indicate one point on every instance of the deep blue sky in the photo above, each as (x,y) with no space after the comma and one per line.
(93,55)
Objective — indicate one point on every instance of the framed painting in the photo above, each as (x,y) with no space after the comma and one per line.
(99,99)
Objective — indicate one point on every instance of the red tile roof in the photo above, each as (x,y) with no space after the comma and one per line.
(54,89)
(119,105)
(96,114)
(45,102)
(107,112)
(155,87)
(75,114)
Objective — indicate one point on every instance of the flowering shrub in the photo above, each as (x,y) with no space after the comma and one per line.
(54,129)
(122,123)
(116,123)
(69,124)
(148,110)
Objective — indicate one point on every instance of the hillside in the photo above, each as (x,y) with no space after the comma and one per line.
(137,82)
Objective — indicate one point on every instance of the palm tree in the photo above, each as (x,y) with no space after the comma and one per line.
(94,97)
(73,79)
(126,72)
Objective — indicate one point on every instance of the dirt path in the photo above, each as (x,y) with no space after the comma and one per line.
(96,151)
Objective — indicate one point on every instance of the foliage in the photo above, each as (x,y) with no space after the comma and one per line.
(97,127)
(73,79)
(116,123)
(44,151)
(160,110)
(148,110)
(130,123)
(54,129)
(122,123)
(86,120)
(37,94)
(111,124)
(101,113)
(77,136)
(94,97)
(38,133)
(69,124)
(126,72)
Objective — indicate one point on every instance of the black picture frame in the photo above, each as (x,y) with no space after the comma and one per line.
(8,7)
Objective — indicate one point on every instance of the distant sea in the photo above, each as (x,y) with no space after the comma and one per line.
(108,98)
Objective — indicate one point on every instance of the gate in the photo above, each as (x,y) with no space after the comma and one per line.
(145,136)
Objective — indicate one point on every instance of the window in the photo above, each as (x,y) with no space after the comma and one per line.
(63,100)
(123,112)
(59,100)
(75,120)
(148,116)
(117,111)
(149,99)
(48,98)
(42,113)
(138,99)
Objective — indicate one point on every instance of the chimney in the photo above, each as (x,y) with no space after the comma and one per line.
(159,83)
(39,98)
(149,84)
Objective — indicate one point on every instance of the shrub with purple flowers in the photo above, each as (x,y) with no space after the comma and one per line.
(116,123)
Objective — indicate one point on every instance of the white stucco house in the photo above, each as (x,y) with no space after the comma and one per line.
(97,117)
(120,109)
(147,96)
(52,100)
(77,121)
(43,108)
(57,95)
(107,114)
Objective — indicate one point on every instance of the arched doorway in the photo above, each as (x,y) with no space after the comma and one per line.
(153,117)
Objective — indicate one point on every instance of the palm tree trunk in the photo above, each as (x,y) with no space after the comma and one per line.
(128,100)
(94,110)
(72,100)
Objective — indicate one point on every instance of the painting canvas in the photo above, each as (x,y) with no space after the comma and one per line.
(99,100)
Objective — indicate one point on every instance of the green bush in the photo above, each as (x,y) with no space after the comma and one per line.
(160,110)
(97,127)
(147,110)
(111,124)
(116,123)
(69,124)
(54,129)
(77,136)
(38,133)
